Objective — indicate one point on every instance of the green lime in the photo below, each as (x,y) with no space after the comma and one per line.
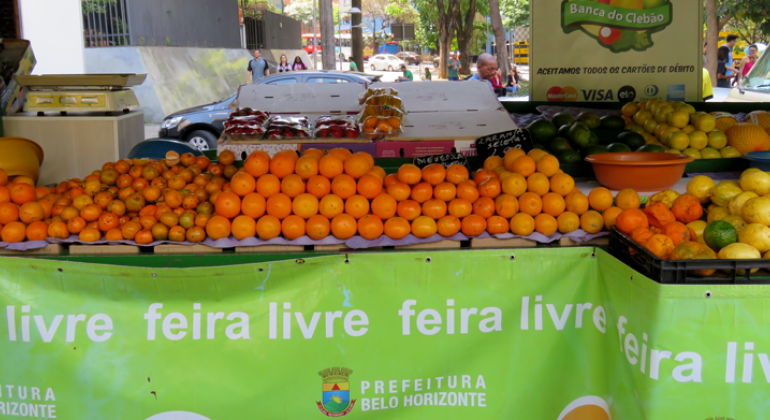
(593,150)
(579,136)
(593,140)
(540,146)
(568,156)
(631,139)
(651,148)
(542,131)
(612,121)
(563,118)
(719,234)
(563,131)
(618,147)
(557,144)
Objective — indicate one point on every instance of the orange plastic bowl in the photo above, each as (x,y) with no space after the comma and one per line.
(642,171)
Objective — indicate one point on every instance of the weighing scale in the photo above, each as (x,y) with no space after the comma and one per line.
(80,92)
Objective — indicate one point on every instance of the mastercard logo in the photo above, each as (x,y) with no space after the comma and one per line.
(178,415)
(559,94)
(586,408)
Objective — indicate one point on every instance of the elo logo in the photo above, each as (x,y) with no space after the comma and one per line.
(626,94)
(651,90)
(558,94)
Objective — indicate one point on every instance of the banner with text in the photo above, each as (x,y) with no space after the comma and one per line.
(558,334)
(616,51)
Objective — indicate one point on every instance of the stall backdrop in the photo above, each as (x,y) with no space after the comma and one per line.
(558,334)
(616,51)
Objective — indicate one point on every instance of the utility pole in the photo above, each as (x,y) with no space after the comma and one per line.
(327,34)
(315,38)
(357,35)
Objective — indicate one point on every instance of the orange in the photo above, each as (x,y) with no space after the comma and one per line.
(5,195)
(467,191)
(538,184)
(600,199)
(423,227)
(343,226)
(256,164)
(228,204)
(292,185)
(422,192)
(630,219)
(243,183)
(31,212)
(3,177)
(484,207)
(514,184)
(397,228)
(409,210)
(568,222)
(660,245)
(107,222)
(195,234)
(474,225)
(490,188)
(448,226)
(548,165)
(253,205)
(369,186)
(399,190)
(176,234)
(390,180)
(318,227)
(305,205)
(545,224)
(160,231)
(340,153)
(316,153)
(378,172)
(357,206)
(91,212)
(591,221)
(268,227)
(279,206)
(268,184)
(227,157)
(13,232)
(344,186)
(22,193)
(435,209)
(202,162)
(147,221)
(659,215)
(497,225)
(686,208)
(530,203)
(281,165)
(482,175)
(168,218)
(493,162)
(562,184)
(510,156)
(319,186)
(293,227)
(506,206)
(306,167)
(358,165)
(460,207)
(331,206)
(151,194)
(577,202)
(370,227)
(524,166)
(677,231)
(641,234)
(330,166)
(409,174)
(433,174)
(37,231)
(191,201)
(628,198)
(58,230)
(610,216)
(90,235)
(76,225)
(553,204)
(522,224)
(384,206)
(457,173)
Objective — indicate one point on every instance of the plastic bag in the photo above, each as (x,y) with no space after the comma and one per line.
(246,122)
(288,128)
(336,127)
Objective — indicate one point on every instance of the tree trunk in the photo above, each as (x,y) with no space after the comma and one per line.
(712,38)
(357,37)
(497,28)
(327,34)
(445,28)
(464,26)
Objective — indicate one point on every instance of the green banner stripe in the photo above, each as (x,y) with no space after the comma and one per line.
(582,12)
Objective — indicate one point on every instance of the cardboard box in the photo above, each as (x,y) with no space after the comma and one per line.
(17,55)
(353,147)
(466,147)
(408,149)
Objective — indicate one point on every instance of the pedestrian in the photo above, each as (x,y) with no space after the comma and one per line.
(723,78)
(407,77)
(284,67)
(486,69)
(513,84)
(705,57)
(298,65)
(257,69)
(730,44)
(428,77)
(748,62)
(453,67)
(497,83)
(353,66)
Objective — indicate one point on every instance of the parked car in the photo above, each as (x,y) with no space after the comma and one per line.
(385,62)
(202,125)
(755,86)
(409,57)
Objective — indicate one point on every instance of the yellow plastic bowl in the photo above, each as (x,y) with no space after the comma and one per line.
(20,157)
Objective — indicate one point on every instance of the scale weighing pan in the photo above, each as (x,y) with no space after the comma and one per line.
(119,80)
(80,92)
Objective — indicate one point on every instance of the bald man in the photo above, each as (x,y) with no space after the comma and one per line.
(486,68)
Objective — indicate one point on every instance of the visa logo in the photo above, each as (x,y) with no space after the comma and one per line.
(598,95)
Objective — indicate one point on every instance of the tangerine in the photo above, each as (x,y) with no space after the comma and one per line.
(524,166)
(399,190)
(562,184)
(514,184)
(630,219)
(318,227)
(553,204)
(467,191)
(76,225)
(538,184)
(409,174)
(357,206)
(460,207)
(507,206)
(568,222)
(397,228)
(58,230)
(576,202)
(228,204)
(37,231)
(448,226)
(409,210)
(433,174)
(107,222)
(490,188)
(591,222)
(522,224)
(279,206)
(22,193)
(343,226)
(306,167)
(330,166)
(31,211)
(424,226)
(268,185)
(331,206)
(482,175)
(227,157)
(282,165)
(474,225)
(422,192)
(384,206)
(243,183)
(319,186)
(545,224)
(340,153)
(628,198)
(344,186)
(531,204)
(305,205)
(253,205)
(293,227)
(497,225)
(358,165)
(484,207)
(548,165)
(292,185)
(610,216)
(370,227)
(600,199)
(195,234)
(493,162)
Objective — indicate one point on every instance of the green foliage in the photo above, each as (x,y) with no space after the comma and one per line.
(515,13)
(755,11)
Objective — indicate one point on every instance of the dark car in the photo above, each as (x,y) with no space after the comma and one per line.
(202,125)
(409,57)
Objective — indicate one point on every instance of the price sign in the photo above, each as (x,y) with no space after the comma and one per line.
(498,144)
(445,160)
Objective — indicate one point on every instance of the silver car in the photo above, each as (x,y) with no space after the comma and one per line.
(385,62)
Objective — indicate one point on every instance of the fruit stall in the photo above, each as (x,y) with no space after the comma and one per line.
(532,248)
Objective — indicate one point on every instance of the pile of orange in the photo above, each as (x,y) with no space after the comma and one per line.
(339,193)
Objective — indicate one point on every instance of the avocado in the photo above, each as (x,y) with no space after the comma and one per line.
(579,136)
(590,119)
(568,156)
(593,140)
(542,131)
(612,121)
(651,148)
(631,139)
(558,144)
(618,147)
(540,146)
(562,118)
(593,150)
(563,131)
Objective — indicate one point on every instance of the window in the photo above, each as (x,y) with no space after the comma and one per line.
(284,81)
(326,80)
(393,58)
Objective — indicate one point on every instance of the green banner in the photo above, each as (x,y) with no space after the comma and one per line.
(590,12)
(562,334)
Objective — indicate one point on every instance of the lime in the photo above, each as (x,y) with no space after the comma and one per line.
(719,234)
(693,153)
(710,153)
(568,156)
(579,136)
(562,118)
(717,139)
(618,147)
(557,144)
(593,150)
(730,152)
(698,139)
(593,139)
(563,131)
(612,121)
(704,122)
(631,139)
(679,119)
(651,148)
(674,151)
(540,146)
(678,140)
(542,131)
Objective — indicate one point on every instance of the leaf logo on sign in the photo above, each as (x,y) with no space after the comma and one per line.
(619,25)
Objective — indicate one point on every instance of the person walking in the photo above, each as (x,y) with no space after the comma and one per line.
(730,44)
(283,66)
(453,67)
(513,84)
(486,69)
(748,62)
(298,65)
(723,78)
(257,69)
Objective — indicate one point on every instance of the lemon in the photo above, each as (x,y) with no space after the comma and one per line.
(660,129)
(689,109)
(709,153)
(700,186)
(717,139)
(730,152)
(678,140)
(662,114)
(688,129)
(698,227)
(666,133)
(641,116)
(629,109)
(693,153)
(650,125)
(705,123)
(756,181)
(674,151)
(679,119)
(698,139)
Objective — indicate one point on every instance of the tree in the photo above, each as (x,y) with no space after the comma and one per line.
(497,27)
(712,36)
(326,12)
(515,13)
(747,30)
(387,12)
(755,11)
(302,10)
(463,18)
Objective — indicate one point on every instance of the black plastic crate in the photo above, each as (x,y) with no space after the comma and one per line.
(680,272)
